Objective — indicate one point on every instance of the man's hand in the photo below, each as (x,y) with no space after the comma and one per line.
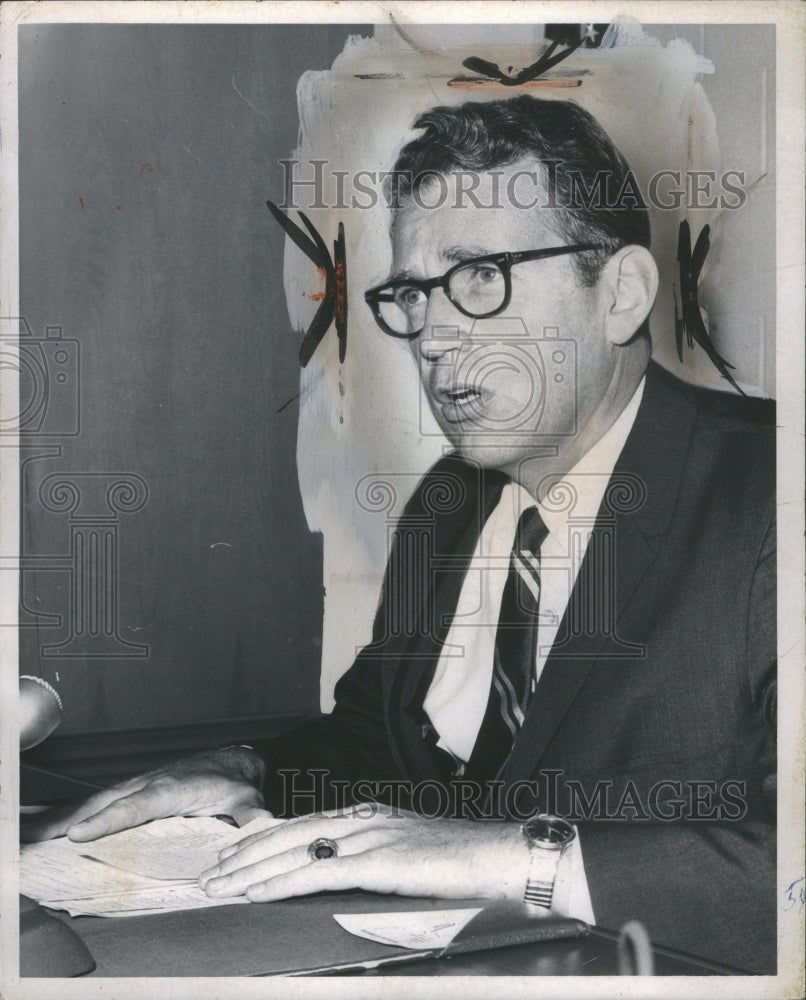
(215,782)
(379,850)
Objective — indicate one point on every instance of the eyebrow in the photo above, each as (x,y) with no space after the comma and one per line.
(402,274)
(452,255)
(460,253)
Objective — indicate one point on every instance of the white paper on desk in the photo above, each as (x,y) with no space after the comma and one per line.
(116,880)
(55,870)
(420,929)
(177,848)
(165,898)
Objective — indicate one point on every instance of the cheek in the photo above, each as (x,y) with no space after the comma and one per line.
(513,390)
(510,370)
(555,303)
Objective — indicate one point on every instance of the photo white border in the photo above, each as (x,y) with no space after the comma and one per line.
(789,16)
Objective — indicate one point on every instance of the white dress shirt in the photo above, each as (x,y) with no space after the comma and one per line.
(457,698)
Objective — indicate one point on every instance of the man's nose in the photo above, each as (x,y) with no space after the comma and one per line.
(446,329)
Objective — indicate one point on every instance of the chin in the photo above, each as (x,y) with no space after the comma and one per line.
(512,458)
(486,452)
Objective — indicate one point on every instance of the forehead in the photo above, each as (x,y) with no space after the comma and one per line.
(504,208)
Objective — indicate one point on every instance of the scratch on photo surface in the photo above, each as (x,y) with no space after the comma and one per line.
(246,100)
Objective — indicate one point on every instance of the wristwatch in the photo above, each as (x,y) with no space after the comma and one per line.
(548,837)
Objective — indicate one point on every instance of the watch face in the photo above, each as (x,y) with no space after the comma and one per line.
(548,830)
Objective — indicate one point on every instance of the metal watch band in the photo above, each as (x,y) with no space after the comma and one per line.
(542,875)
(548,837)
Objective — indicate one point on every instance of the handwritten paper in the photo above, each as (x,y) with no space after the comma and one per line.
(151,868)
(176,848)
(166,897)
(420,929)
(55,870)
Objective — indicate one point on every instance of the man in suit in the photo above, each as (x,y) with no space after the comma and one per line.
(638,699)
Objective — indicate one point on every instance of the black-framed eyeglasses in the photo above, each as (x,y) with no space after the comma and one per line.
(479,287)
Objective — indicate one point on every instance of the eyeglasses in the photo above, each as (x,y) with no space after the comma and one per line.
(478,288)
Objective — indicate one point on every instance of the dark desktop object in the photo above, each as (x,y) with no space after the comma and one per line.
(48,947)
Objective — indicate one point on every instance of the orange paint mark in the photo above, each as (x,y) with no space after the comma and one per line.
(81,202)
(495,85)
(118,207)
(317,296)
(147,168)
(340,305)
(322,272)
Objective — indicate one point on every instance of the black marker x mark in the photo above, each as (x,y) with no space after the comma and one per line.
(690,322)
(544,63)
(334,304)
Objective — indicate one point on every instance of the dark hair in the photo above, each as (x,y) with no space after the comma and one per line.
(572,149)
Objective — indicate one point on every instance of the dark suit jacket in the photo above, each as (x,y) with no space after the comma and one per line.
(653,724)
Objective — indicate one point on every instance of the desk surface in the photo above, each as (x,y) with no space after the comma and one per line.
(272,938)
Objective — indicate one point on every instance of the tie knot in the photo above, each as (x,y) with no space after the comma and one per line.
(531,531)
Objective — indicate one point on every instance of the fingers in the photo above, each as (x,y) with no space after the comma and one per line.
(246,813)
(302,831)
(278,840)
(151,802)
(50,824)
(338,874)
(384,854)
(268,850)
(234,878)
(195,786)
(273,841)
(161,795)
(168,792)
(242,847)
(55,822)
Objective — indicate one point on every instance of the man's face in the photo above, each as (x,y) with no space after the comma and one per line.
(518,385)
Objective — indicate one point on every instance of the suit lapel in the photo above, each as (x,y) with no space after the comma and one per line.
(635,512)
(447,533)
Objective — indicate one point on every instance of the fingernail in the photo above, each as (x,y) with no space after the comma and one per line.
(216,885)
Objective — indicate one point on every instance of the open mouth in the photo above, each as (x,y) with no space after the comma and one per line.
(461,395)
(458,403)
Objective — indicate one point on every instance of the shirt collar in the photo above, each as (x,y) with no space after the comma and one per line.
(587,481)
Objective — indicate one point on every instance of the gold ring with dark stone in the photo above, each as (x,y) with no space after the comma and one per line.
(322,849)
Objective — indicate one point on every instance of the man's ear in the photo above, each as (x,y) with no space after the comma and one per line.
(629,282)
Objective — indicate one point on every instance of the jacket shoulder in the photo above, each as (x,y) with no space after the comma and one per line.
(723,410)
(730,452)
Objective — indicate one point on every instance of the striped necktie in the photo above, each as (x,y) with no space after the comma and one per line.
(514,655)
